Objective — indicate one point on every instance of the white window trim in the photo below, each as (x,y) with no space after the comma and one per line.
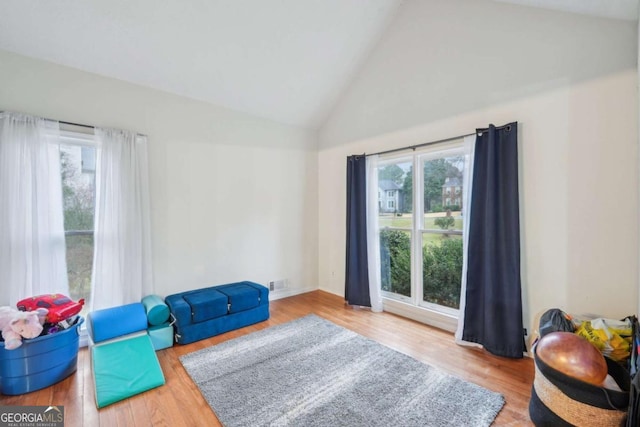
(77,138)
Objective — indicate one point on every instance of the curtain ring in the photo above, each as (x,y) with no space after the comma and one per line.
(509,128)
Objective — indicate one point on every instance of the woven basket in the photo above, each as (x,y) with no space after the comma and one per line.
(560,400)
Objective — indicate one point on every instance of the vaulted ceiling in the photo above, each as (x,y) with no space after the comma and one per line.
(286,60)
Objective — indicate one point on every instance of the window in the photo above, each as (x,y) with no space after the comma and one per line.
(390,194)
(391,204)
(441,232)
(77,161)
(421,250)
(395,233)
(88,159)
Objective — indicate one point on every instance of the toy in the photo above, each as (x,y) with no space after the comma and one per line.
(16,325)
(53,328)
(60,306)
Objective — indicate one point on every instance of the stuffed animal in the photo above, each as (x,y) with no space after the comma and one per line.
(16,325)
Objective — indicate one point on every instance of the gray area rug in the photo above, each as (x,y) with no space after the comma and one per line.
(311,372)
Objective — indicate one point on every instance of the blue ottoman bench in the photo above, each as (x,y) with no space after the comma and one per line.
(203,313)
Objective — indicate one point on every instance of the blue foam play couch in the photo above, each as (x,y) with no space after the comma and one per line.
(203,313)
(123,358)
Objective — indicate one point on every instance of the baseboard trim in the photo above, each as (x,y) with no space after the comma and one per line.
(284,293)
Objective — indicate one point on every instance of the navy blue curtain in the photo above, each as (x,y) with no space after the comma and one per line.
(493,310)
(356,287)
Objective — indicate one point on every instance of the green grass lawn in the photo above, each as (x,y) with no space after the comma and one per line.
(405,221)
(430,238)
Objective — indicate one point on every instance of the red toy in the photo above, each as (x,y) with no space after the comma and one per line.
(60,307)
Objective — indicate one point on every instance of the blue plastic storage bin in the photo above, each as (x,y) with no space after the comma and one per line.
(39,362)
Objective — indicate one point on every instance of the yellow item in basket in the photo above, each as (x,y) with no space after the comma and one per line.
(611,337)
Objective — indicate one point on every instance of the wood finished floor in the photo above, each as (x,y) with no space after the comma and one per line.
(179,403)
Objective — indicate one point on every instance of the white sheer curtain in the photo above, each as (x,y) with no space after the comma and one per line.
(122,259)
(373,236)
(469,148)
(32,241)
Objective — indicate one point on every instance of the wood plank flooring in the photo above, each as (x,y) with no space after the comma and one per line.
(179,402)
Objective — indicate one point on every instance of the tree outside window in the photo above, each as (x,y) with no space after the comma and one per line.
(78,192)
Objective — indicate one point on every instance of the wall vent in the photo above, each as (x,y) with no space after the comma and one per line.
(276,285)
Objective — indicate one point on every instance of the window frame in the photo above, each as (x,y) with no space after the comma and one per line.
(80,137)
(421,159)
(417,159)
(383,161)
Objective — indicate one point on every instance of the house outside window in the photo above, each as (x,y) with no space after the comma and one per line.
(452,192)
(390,191)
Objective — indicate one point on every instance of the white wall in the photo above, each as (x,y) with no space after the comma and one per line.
(233,197)
(446,67)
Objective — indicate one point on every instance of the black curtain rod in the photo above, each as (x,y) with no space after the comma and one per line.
(87,126)
(440,141)
(424,144)
(76,124)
